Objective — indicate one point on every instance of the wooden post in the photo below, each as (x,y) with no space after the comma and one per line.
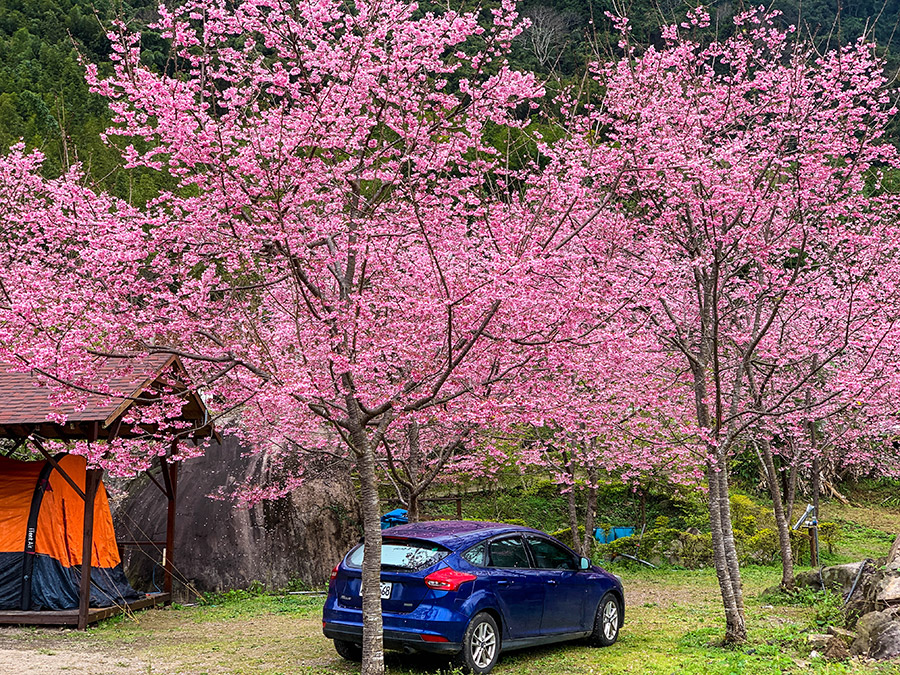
(170,475)
(91,483)
(459,508)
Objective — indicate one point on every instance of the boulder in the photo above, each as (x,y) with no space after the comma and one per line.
(840,578)
(221,545)
(886,642)
(869,629)
(894,555)
(887,590)
(808,579)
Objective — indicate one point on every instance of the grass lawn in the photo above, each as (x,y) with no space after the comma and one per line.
(673,622)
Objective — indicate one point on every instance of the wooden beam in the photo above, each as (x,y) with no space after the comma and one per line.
(156,482)
(56,466)
(91,483)
(16,446)
(168,491)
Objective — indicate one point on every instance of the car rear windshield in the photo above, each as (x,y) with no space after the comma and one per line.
(402,555)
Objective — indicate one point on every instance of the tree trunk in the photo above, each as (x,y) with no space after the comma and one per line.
(373,644)
(724,560)
(781,521)
(590,509)
(573,521)
(816,484)
(734,570)
(791,496)
(573,508)
(414,467)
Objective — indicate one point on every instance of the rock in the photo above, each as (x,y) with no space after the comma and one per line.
(848,636)
(808,579)
(888,588)
(836,649)
(841,577)
(886,642)
(894,555)
(869,628)
(818,639)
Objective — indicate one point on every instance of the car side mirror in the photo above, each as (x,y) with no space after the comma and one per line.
(585,564)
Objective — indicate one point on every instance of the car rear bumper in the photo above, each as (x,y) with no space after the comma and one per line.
(400,640)
(430,627)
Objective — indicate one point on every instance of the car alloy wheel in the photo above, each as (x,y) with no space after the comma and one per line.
(481,645)
(606,622)
(611,620)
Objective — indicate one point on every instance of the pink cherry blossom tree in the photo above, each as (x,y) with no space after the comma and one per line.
(753,178)
(345,255)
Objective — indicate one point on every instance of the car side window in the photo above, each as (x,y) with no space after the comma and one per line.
(549,555)
(475,555)
(508,552)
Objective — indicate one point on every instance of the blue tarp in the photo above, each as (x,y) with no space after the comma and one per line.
(614,533)
(395,517)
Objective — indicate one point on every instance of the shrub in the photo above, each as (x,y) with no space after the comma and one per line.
(698,551)
(760,548)
(799,544)
(829,532)
(565,535)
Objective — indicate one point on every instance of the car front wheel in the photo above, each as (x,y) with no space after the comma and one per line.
(348,650)
(481,645)
(606,622)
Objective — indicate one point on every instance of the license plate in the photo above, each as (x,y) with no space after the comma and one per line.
(386,588)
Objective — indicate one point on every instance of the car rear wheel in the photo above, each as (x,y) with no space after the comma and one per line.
(481,645)
(348,650)
(606,622)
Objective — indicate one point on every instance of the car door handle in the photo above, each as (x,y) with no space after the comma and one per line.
(552,582)
(504,582)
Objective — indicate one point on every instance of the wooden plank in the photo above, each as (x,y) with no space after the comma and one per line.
(69,617)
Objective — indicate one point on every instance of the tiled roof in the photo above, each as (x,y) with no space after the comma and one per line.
(26,397)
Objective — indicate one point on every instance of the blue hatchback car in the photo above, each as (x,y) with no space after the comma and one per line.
(470,589)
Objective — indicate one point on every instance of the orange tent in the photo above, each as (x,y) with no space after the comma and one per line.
(41,538)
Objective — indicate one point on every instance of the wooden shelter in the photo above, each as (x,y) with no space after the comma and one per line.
(27,415)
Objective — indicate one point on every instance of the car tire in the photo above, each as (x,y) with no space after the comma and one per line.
(606,622)
(481,646)
(348,650)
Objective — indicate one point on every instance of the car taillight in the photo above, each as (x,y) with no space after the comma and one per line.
(433,638)
(334,572)
(448,579)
